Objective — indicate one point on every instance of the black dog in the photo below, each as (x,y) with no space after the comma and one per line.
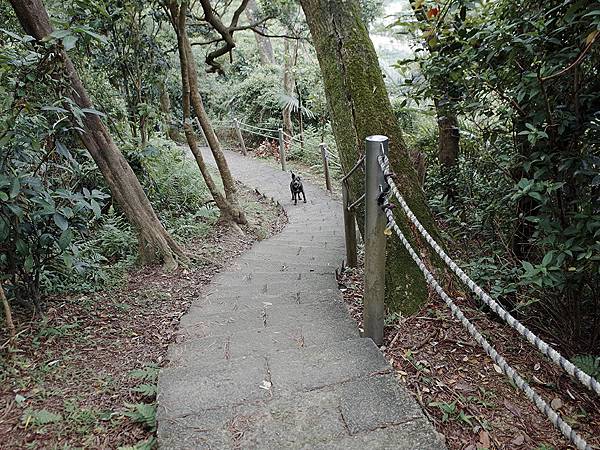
(297,189)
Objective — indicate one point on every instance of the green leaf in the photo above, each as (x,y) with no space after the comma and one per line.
(69,42)
(65,239)
(40,417)
(3,196)
(143,413)
(547,258)
(96,208)
(61,221)
(15,188)
(147,390)
(60,34)
(28,264)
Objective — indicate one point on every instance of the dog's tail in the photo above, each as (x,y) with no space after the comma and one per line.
(293,175)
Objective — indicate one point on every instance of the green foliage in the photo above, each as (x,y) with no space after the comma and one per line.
(524,79)
(147,444)
(142,413)
(39,418)
(450,411)
(589,364)
(148,373)
(44,207)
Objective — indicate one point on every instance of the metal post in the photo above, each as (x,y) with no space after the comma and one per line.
(240,137)
(349,228)
(325,166)
(374,290)
(282,150)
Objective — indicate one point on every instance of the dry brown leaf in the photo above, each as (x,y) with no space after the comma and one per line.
(484,439)
(512,408)
(519,440)
(556,403)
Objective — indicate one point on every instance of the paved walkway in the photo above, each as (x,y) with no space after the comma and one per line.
(270,357)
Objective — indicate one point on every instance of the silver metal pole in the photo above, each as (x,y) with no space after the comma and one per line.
(282,150)
(325,166)
(374,291)
(240,137)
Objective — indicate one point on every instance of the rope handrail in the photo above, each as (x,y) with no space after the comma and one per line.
(511,373)
(533,339)
(256,128)
(293,138)
(258,134)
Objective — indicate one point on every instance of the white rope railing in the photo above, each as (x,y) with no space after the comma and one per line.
(533,396)
(532,338)
(256,133)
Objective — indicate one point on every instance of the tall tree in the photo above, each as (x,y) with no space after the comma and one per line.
(289,83)
(191,97)
(265,48)
(445,106)
(360,107)
(155,243)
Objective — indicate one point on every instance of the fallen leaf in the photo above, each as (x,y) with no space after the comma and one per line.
(519,440)
(497,368)
(512,408)
(556,403)
(484,439)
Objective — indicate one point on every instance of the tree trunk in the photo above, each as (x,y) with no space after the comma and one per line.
(228,210)
(289,86)
(155,243)
(448,132)
(265,49)
(449,136)
(209,132)
(10,325)
(360,107)
(165,109)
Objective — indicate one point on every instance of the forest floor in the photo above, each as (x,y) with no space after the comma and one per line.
(85,375)
(463,393)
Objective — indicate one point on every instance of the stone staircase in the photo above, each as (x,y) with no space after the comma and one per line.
(269,357)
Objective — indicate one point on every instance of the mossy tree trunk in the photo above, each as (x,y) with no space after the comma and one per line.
(360,107)
(155,243)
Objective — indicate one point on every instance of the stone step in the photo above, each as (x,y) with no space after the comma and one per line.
(194,388)
(274,288)
(230,303)
(231,278)
(196,323)
(258,342)
(369,412)
(304,246)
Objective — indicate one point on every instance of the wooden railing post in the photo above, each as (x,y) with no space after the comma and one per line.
(349,228)
(374,291)
(240,137)
(325,157)
(282,150)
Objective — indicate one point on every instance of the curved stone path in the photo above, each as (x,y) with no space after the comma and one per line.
(269,356)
